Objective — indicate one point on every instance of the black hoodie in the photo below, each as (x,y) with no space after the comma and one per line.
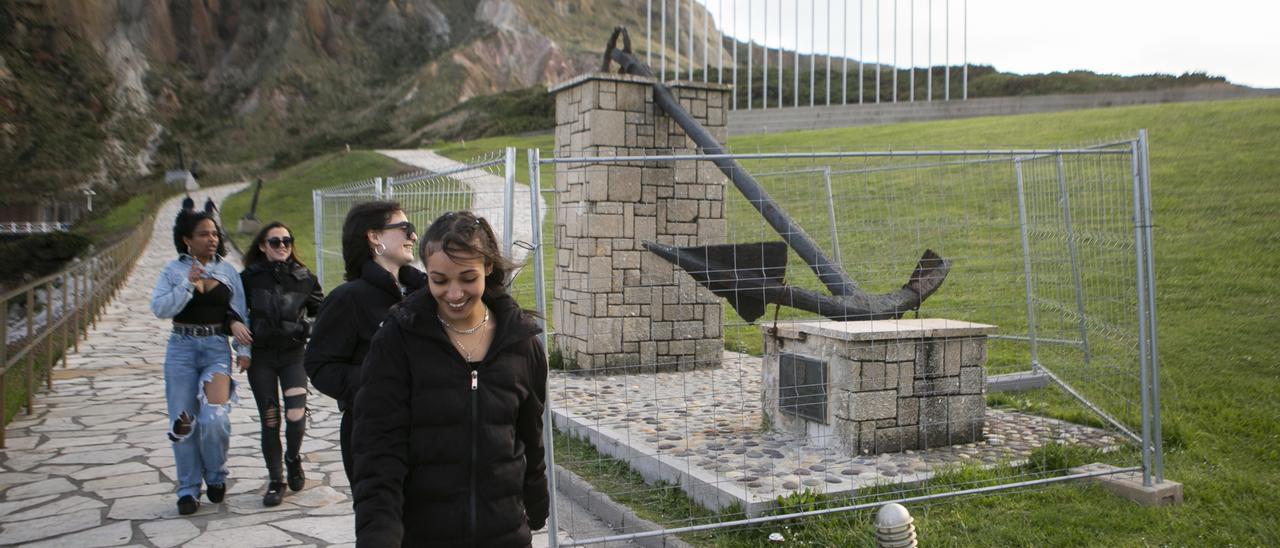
(347,320)
(446,455)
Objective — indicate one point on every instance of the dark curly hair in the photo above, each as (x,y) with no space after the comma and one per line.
(465,232)
(255,254)
(362,218)
(185,226)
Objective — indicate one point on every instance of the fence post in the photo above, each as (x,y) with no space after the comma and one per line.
(508,199)
(317,229)
(1026,267)
(1156,427)
(31,355)
(377,187)
(79,313)
(66,327)
(831,217)
(48,336)
(1075,263)
(1139,251)
(4,365)
(548,424)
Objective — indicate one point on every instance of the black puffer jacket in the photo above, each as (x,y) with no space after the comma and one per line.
(280,297)
(348,318)
(442,460)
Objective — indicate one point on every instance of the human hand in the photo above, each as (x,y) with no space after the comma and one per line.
(241,333)
(243,363)
(195,272)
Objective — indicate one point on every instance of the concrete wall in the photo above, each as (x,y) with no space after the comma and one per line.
(744,122)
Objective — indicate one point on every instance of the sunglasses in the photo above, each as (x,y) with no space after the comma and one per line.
(286,241)
(409,230)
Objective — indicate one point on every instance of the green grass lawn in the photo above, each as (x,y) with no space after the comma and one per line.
(1214,180)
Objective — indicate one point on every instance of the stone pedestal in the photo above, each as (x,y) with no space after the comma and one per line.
(617,307)
(877,386)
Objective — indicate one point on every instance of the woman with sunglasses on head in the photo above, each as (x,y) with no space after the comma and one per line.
(281,294)
(377,249)
(448,420)
(203,295)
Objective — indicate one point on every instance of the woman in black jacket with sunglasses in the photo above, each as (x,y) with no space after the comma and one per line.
(281,294)
(377,248)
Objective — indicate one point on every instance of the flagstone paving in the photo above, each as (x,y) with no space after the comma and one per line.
(91,465)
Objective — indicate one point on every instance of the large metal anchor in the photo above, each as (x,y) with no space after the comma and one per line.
(750,276)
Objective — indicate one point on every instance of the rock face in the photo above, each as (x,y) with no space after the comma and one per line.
(115,85)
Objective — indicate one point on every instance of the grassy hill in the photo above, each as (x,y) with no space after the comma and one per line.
(1214,173)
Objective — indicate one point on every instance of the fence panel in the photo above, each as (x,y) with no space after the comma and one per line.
(667,399)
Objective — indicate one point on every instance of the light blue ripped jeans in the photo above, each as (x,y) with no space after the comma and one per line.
(200,450)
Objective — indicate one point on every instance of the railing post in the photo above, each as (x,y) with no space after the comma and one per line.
(66,327)
(508,196)
(77,314)
(4,365)
(31,355)
(48,335)
(317,227)
(1026,268)
(539,291)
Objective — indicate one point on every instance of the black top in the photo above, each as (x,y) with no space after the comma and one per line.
(438,462)
(207,308)
(280,296)
(347,320)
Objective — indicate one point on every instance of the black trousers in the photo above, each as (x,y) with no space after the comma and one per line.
(271,373)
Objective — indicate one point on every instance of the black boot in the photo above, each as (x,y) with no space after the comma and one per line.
(275,494)
(188,505)
(216,492)
(297,479)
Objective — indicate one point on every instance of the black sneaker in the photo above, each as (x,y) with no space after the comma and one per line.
(188,505)
(275,494)
(297,480)
(216,492)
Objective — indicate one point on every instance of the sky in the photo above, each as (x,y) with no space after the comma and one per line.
(1237,39)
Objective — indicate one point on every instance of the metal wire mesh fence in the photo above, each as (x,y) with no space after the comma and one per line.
(668,398)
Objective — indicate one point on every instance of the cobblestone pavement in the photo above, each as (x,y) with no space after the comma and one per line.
(91,465)
(709,422)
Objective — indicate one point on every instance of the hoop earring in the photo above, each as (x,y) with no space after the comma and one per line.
(379,249)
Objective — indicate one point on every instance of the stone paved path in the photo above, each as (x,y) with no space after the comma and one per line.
(92,467)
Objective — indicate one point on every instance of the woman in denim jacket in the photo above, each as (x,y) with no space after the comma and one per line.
(204,297)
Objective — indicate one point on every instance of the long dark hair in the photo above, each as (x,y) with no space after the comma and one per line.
(255,254)
(362,218)
(459,232)
(185,226)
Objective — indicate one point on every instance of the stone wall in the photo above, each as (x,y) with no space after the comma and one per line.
(890,385)
(616,305)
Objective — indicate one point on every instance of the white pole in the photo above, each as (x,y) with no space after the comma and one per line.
(828,52)
(966,50)
(946,51)
(648,32)
(676,52)
(813,46)
(735,56)
(693,57)
(844,53)
(877,51)
(895,51)
(706,14)
(796,86)
(929,74)
(764,83)
(861,41)
(912,82)
(751,73)
(779,53)
(720,42)
(662,38)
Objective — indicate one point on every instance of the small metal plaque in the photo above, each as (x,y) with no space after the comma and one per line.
(802,387)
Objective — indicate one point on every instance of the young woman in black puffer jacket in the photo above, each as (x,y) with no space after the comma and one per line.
(281,294)
(448,419)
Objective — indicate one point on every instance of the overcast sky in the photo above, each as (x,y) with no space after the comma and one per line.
(1237,39)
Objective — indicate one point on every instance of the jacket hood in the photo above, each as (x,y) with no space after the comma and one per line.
(417,314)
(411,278)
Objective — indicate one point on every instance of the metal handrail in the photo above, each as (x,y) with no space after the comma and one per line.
(96,281)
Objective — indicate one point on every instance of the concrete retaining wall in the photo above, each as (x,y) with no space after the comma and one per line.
(744,122)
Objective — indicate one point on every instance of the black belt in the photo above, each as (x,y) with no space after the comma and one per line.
(192,330)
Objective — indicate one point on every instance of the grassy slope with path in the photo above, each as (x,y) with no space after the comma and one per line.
(1214,172)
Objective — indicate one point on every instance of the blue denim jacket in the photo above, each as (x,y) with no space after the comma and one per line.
(173,290)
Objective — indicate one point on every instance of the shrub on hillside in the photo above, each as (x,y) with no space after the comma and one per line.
(38,255)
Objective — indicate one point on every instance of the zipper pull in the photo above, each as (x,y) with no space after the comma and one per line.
(475,379)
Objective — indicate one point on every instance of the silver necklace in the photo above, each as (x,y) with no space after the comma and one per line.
(466,354)
(468,330)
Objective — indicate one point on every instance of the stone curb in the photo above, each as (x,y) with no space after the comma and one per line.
(617,515)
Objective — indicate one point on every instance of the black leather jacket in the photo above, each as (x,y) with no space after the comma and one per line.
(280,297)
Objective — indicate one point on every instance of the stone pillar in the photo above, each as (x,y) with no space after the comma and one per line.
(617,307)
(875,387)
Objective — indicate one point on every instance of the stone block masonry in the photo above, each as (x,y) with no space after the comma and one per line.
(889,385)
(616,306)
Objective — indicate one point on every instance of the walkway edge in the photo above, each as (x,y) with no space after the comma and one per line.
(617,515)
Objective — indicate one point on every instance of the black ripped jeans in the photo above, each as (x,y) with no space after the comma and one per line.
(273,372)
